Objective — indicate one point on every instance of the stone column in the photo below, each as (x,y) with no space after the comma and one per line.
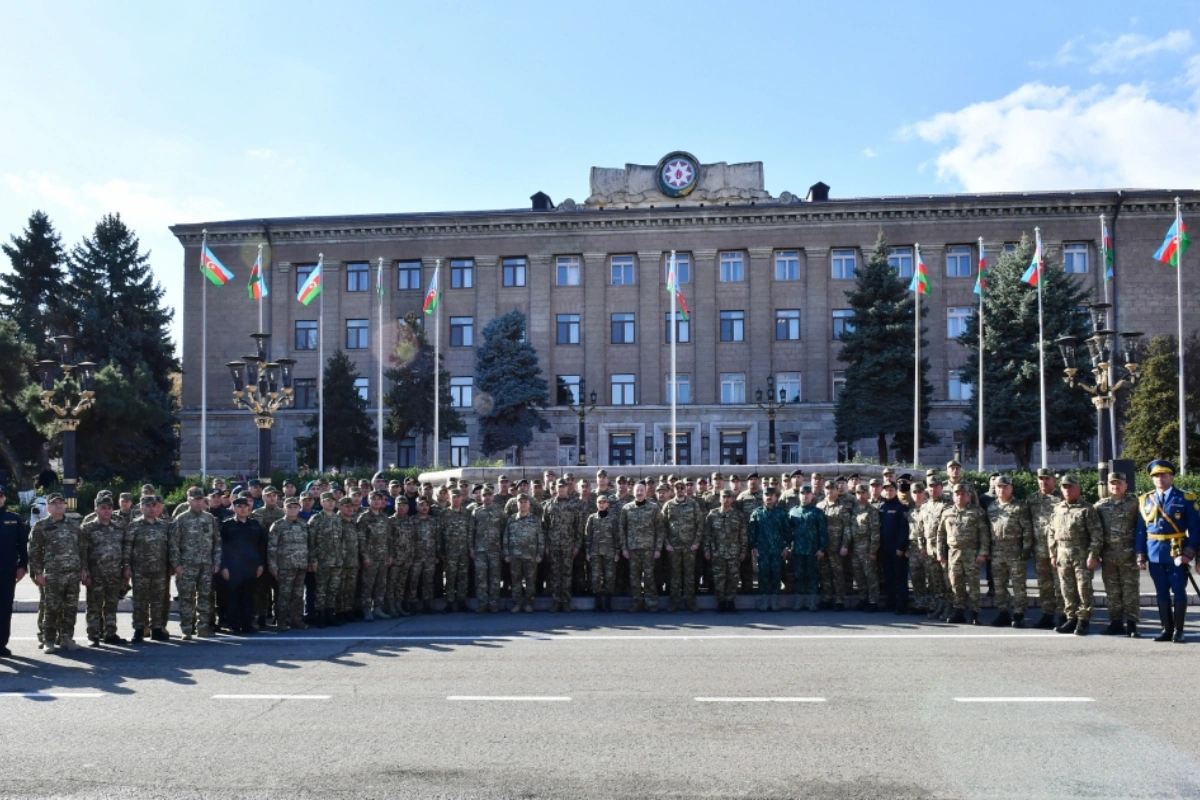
(702,300)
(652,361)
(595,330)
(817,328)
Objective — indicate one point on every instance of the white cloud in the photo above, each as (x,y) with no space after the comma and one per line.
(1051,137)
(1129,48)
(869,153)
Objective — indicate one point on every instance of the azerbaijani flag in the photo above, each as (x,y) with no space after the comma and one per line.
(311,287)
(981,280)
(1108,252)
(1174,245)
(256,289)
(673,288)
(431,297)
(1034,273)
(379,280)
(213,269)
(920,280)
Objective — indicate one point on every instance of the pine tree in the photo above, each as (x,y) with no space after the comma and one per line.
(1012,395)
(34,291)
(20,441)
(349,431)
(510,386)
(877,349)
(1152,428)
(409,411)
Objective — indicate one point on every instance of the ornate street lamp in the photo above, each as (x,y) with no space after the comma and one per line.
(262,387)
(582,412)
(1108,378)
(67,401)
(771,407)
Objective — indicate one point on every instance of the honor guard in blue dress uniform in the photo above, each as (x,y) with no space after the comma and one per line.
(1168,533)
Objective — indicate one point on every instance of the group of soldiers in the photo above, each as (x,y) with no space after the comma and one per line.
(247,557)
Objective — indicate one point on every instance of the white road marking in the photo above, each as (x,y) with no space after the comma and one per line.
(1024,700)
(51,695)
(270,697)
(683,637)
(759,699)
(510,698)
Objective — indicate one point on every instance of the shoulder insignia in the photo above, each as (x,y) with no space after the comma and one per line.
(1189,496)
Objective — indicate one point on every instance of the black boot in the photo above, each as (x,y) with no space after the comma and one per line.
(318,619)
(973,617)
(159,635)
(1018,620)
(335,619)
(1168,623)
(1002,621)
(1046,622)
(1115,628)
(1180,615)
(959,617)
(1131,630)
(1068,626)
(139,636)
(1081,627)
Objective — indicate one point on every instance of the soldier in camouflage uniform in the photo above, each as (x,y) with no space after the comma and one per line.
(641,537)
(425,543)
(602,537)
(147,551)
(290,550)
(963,544)
(747,502)
(375,526)
(941,600)
(454,545)
(918,561)
(104,542)
(1040,508)
(401,550)
(1119,513)
(725,544)
(562,527)
(837,521)
(325,532)
(487,531)
(1012,544)
(266,588)
(353,554)
(1077,544)
(809,533)
(58,564)
(769,533)
(522,547)
(194,549)
(860,542)
(683,519)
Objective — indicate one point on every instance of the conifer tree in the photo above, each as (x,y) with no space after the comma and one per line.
(409,401)
(349,431)
(510,386)
(33,292)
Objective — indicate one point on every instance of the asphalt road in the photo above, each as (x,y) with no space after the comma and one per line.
(619,705)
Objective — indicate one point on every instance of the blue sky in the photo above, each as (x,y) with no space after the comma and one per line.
(180,112)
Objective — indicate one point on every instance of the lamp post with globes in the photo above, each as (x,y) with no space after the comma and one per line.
(582,412)
(1108,378)
(772,405)
(262,387)
(67,400)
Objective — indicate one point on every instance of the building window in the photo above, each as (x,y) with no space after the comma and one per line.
(841,322)
(406,453)
(303,273)
(567,270)
(306,334)
(787,324)
(956,321)
(305,392)
(622,270)
(789,451)
(733,447)
(362,388)
(356,334)
(789,384)
(410,276)
(683,267)
(958,261)
(568,390)
(733,387)
(462,273)
(461,391)
(357,274)
(460,451)
(1075,258)
(901,260)
(622,390)
(732,268)
(622,329)
(678,451)
(620,449)
(684,382)
(567,451)
(567,326)
(787,265)
(1010,247)
(462,331)
(957,389)
(733,326)
(844,264)
(513,272)
(839,384)
(683,326)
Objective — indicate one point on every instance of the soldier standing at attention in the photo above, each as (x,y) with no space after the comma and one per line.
(641,537)
(454,544)
(1118,514)
(104,541)
(14,560)
(425,537)
(837,520)
(325,530)
(809,534)
(562,528)
(353,555)
(894,536)
(963,543)
(266,589)
(769,533)
(747,501)
(147,544)
(402,545)
(195,551)
(487,531)
(289,550)
(243,551)
(602,542)
(375,526)
(523,552)
(57,562)
(725,543)
(1168,533)
(918,560)
(1012,544)
(683,517)
(861,543)
(1040,508)
(941,599)
(1076,546)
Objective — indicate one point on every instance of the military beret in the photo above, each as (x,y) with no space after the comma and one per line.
(1070,480)
(960,487)
(237,488)
(904,476)
(952,463)
(1161,467)
(1116,476)
(310,486)
(771,491)
(830,485)
(125,496)
(994,475)
(346,501)
(797,474)
(853,476)
(1002,480)
(150,499)
(1045,473)
(241,501)
(806,489)
(292,501)
(918,487)
(378,476)
(101,500)
(875,482)
(50,498)
(195,493)
(327,496)
(727,493)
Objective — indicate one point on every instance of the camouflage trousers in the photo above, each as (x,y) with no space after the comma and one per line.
(457,571)
(397,584)
(289,603)
(1076,580)
(487,579)
(195,596)
(348,589)
(1010,566)
(266,595)
(770,572)
(524,582)
(329,584)
(604,572)
(642,586)
(806,574)
(374,585)
(683,575)
(561,566)
(1120,574)
(866,574)
(148,591)
(833,583)
(726,572)
(963,571)
(422,577)
(1050,597)
(917,568)
(102,596)
(936,582)
(60,606)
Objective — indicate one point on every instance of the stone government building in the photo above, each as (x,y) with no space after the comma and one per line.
(765,279)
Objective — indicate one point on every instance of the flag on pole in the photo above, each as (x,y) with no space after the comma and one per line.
(920,280)
(256,289)
(431,297)
(1033,275)
(981,280)
(673,288)
(379,280)
(1108,251)
(312,286)
(213,269)
(1174,245)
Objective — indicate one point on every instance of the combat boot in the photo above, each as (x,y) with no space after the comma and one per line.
(300,624)
(871,608)
(1002,621)
(94,639)
(159,635)
(673,606)
(1068,626)
(692,605)
(1115,628)
(335,619)
(1180,615)
(732,607)
(68,644)
(773,602)
(1168,623)
(49,648)
(1131,630)
(138,636)
(448,608)
(959,617)
(554,607)
(401,611)
(516,609)
(379,613)
(839,605)
(760,603)
(1046,622)
(1081,627)
(1018,620)
(973,617)
(112,638)
(635,606)
(426,606)
(938,612)
(318,618)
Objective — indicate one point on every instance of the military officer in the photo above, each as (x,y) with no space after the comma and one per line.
(1118,514)
(375,528)
(289,552)
(1012,545)
(1040,508)
(563,533)
(725,543)
(14,561)
(523,551)
(809,530)
(837,521)
(641,536)
(325,530)
(1168,533)
(194,550)
(963,545)
(104,540)
(602,543)
(487,531)
(57,562)
(683,518)
(1076,548)
(425,557)
(894,534)
(402,548)
(454,544)
(243,553)
(860,542)
(769,533)
(353,555)
(147,551)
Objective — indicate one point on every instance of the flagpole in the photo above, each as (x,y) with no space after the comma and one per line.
(437,356)
(1112,367)
(917,367)
(321,369)
(261,283)
(979,387)
(203,363)
(1179,317)
(379,390)
(674,372)
(1041,343)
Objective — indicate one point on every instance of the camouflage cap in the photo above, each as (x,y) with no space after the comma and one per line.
(602,498)
(1070,480)
(716,476)
(727,493)
(195,493)
(889,484)
(918,487)
(53,496)
(502,478)
(523,496)
(487,490)
(1002,480)
(292,501)
(960,487)
(830,484)
(327,496)
(953,463)
(241,501)
(147,488)
(103,499)
(875,482)
(935,480)
(1045,473)
(1113,477)
(125,496)
(150,499)
(600,472)
(347,501)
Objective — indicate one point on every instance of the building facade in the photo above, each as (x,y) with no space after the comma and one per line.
(765,279)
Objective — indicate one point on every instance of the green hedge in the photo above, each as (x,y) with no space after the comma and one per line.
(1025,483)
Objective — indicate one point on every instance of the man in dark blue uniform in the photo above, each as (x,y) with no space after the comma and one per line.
(243,557)
(1168,533)
(893,547)
(14,560)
